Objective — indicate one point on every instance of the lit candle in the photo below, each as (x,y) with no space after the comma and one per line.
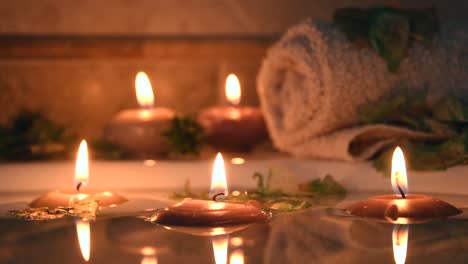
(216,217)
(402,207)
(81,181)
(244,126)
(84,237)
(400,243)
(139,130)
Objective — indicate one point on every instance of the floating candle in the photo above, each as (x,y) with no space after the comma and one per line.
(81,181)
(139,130)
(402,207)
(216,217)
(243,126)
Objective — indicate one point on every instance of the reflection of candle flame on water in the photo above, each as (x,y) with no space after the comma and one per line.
(399,177)
(220,247)
(149,256)
(84,237)
(144,91)
(218,177)
(400,243)
(237,257)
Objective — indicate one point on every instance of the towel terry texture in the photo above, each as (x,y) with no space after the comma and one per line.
(313,82)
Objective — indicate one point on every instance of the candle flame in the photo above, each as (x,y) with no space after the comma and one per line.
(144,91)
(220,247)
(237,257)
(84,237)
(400,243)
(233,91)
(399,178)
(218,177)
(82,167)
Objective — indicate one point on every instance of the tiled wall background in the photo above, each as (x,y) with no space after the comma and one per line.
(75,61)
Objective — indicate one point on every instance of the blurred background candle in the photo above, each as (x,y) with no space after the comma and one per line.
(233,128)
(139,130)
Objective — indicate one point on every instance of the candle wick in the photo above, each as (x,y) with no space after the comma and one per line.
(216,196)
(400,190)
(78,186)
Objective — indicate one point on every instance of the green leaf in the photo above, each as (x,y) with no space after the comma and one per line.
(450,109)
(185,136)
(326,186)
(353,22)
(389,35)
(389,31)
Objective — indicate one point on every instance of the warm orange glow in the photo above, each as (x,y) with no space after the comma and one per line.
(82,168)
(237,257)
(218,231)
(84,237)
(149,260)
(220,247)
(144,91)
(237,241)
(400,243)
(218,177)
(149,256)
(149,162)
(233,91)
(399,178)
(237,161)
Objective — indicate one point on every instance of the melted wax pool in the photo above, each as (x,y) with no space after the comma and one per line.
(321,234)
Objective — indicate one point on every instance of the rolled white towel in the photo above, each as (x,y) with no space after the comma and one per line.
(313,82)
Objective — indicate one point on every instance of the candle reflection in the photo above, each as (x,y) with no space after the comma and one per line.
(400,243)
(237,257)
(149,256)
(220,248)
(84,237)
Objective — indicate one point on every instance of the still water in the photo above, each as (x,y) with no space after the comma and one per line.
(322,234)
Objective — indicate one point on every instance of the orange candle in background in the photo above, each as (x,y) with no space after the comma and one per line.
(233,128)
(139,130)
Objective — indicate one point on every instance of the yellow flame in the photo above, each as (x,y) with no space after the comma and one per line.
(237,257)
(237,161)
(84,237)
(82,167)
(400,243)
(220,247)
(144,91)
(399,178)
(218,177)
(233,90)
